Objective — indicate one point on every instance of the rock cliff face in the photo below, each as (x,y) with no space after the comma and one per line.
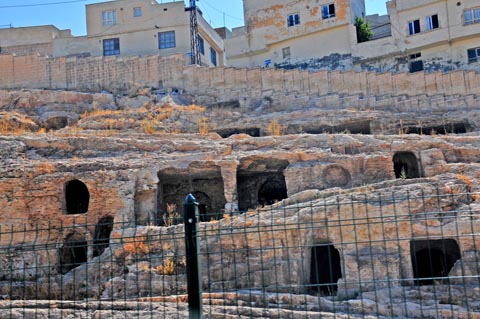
(105,170)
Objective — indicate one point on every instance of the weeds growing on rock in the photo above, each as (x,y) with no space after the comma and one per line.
(203,125)
(168,267)
(172,215)
(134,247)
(467,180)
(275,129)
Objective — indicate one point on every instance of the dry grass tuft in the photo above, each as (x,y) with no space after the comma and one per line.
(203,125)
(168,267)
(96,112)
(16,124)
(149,126)
(136,246)
(467,180)
(275,129)
(172,215)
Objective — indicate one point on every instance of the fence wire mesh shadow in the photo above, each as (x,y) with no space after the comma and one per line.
(408,253)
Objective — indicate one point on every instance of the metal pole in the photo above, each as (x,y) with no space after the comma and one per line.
(192,246)
(196,59)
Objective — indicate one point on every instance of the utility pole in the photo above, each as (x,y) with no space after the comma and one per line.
(194,33)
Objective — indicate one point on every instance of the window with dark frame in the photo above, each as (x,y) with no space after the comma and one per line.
(137,12)
(213,56)
(111,47)
(293,19)
(416,64)
(473,55)
(109,17)
(166,40)
(328,11)
(414,27)
(432,22)
(471,16)
(201,45)
(286,52)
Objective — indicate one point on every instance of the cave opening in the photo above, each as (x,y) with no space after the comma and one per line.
(73,253)
(405,165)
(441,129)
(358,127)
(336,176)
(56,123)
(77,197)
(325,269)
(272,191)
(202,179)
(101,239)
(432,260)
(204,206)
(260,182)
(227,132)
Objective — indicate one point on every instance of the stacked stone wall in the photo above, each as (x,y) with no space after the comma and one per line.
(29,49)
(223,83)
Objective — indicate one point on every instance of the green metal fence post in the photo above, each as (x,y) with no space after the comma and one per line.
(192,246)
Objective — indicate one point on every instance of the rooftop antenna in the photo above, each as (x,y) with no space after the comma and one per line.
(195,52)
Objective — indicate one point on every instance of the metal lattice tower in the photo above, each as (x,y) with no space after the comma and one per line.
(194,33)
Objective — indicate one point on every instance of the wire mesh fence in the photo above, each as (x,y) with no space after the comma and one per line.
(407,253)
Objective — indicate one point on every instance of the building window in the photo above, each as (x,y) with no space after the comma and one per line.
(111,47)
(213,56)
(286,52)
(416,64)
(109,17)
(473,55)
(432,22)
(471,16)
(414,27)
(137,12)
(293,19)
(328,11)
(166,40)
(201,45)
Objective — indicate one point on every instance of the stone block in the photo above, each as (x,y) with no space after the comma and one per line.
(319,82)
(336,81)
(254,79)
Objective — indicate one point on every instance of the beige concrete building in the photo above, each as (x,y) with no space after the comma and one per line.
(320,34)
(427,35)
(286,31)
(121,27)
(30,40)
(140,27)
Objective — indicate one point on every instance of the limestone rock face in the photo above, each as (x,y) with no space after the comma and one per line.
(111,172)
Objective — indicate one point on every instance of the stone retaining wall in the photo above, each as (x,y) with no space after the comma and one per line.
(122,73)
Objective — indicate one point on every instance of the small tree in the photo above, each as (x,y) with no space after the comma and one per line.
(364,30)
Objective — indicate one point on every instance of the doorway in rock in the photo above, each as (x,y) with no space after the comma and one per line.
(73,253)
(432,260)
(101,238)
(204,206)
(441,129)
(272,191)
(260,181)
(405,165)
(202,179)
(325,269)
(77,197)
(227,132)
(336,176)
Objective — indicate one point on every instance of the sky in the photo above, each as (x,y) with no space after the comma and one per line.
(70,14)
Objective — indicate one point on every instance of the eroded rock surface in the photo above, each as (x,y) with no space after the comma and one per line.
(124,160)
